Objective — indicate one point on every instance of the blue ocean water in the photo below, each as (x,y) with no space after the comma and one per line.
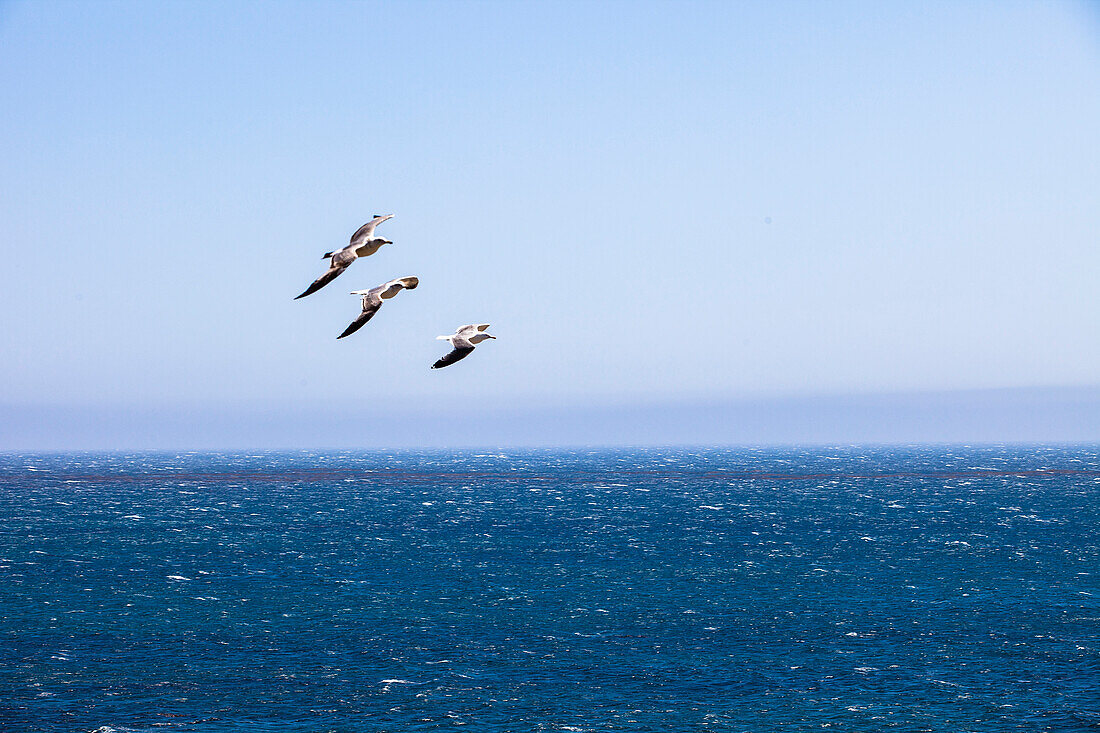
(912,589)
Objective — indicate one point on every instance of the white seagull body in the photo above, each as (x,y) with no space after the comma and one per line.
(463,341)
(363,244)
(372,300)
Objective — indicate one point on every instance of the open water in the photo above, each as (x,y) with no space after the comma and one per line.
(858,589)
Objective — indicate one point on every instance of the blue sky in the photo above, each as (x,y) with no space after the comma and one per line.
(653,203)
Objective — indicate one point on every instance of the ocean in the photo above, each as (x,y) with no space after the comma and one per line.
(926,588)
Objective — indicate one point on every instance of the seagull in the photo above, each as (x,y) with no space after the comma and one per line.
(363,244)
(372,300)
(463,342)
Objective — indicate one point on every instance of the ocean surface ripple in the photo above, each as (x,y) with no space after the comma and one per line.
(858,589)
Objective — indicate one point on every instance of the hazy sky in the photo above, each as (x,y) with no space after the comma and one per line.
(651,202)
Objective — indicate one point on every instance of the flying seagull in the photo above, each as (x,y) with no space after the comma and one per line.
(463,342)
(363,244)
(372,300)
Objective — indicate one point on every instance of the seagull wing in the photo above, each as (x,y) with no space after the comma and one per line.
(393,287)
(369,248)
(363,233)
(472,328)
(323,281)
(368,313)
(459,353)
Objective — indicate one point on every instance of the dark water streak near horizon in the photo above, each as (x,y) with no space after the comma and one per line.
(913,589)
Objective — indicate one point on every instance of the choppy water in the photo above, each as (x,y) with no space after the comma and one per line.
(944,589)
